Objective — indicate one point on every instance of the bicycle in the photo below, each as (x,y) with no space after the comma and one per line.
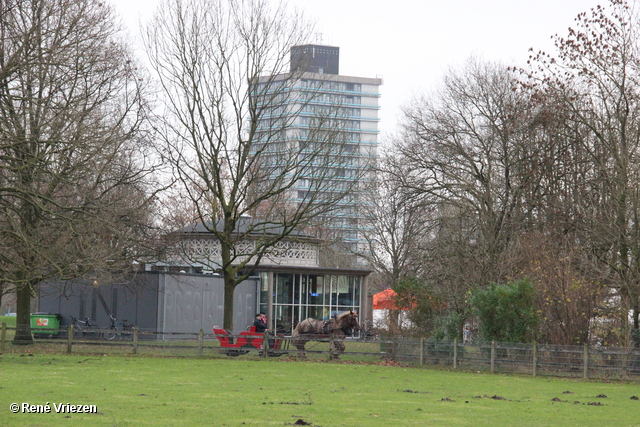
(123,332)
(368,331)
(84,328)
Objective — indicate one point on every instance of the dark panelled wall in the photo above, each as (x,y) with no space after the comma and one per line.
(153,301)
(134,300)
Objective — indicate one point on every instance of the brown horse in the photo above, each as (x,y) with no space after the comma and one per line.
(313,329)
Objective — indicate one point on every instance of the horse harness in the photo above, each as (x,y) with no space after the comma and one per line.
(326,329)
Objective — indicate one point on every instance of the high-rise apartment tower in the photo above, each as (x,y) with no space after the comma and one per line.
(320,99)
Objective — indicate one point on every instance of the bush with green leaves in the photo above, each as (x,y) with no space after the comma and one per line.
(507,312)
(424,309)
(448,326)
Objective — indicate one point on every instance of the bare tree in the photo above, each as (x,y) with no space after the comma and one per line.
(467,152)
(72,177)
(473,153)
(548,156)
(232,101)
(5,289)
(595,76)
(569,293)
(396,225)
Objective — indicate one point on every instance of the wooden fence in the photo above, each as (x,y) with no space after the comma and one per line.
(495,357)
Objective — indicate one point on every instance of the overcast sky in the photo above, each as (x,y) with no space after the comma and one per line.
(412,43)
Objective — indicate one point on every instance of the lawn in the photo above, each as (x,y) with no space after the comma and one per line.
(140,391)
(9,320)
(11,323)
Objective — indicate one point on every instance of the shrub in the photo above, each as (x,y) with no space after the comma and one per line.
(507,312)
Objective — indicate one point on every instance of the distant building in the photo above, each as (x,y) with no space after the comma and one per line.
(291,285)
(181,293)
(323,99)
(316,59)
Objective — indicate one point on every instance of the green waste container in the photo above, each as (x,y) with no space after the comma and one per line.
(45,324)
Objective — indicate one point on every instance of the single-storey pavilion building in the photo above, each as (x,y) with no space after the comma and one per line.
(182,293)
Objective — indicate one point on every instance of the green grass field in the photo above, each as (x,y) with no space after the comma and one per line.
(146,391)
(9,320)
(11,323)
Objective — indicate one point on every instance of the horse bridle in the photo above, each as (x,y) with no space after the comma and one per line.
(346,329)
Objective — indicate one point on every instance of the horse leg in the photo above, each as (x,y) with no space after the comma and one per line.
(301,351)
(338,347)
(299,345)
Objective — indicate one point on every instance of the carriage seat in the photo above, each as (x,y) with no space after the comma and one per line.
(249,338)
(225,336)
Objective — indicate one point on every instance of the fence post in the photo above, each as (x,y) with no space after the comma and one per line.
(455,353)
(331,346)
(535,358)
(493,355)
(3,337)
(200,342)
(135,340)
(421,351)
(265,344)
(69,339)
(586,361)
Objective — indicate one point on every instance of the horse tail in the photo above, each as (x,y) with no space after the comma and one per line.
(296,330)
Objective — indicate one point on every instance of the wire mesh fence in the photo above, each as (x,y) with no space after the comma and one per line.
(521,358)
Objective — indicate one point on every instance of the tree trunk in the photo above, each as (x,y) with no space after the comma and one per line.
(635,329)
(229,276)
(394,321)
(229,286)
(23,320)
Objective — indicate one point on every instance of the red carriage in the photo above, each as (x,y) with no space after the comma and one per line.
(246,341)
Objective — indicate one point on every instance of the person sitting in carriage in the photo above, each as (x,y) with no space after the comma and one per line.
(260,323)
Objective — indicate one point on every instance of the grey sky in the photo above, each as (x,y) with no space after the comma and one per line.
(412,43)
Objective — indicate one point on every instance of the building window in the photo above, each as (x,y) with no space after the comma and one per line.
(302,296)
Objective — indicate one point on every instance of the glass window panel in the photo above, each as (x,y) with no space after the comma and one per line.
(296,317)
(343,284)
(304,313)
(315,312)
(264,288)
(356,292)
(304,289)
(296,289)
(284,288)
(343,308)
(284,318)
(315,290)
(344,297)
(329,290)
